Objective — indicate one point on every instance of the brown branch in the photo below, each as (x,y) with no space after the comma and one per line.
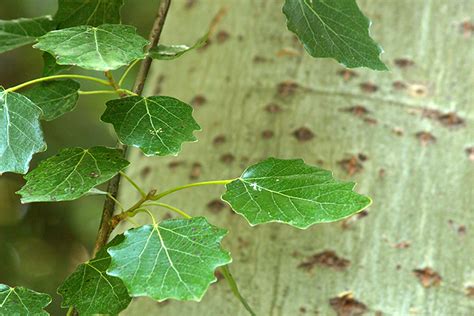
(105,228)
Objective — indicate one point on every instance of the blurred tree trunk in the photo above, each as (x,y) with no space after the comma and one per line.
(403,135)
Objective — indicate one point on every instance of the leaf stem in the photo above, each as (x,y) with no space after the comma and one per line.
(170,207)
(235,289)
(125,73)
(134,184)
(197,184)
(38,80)
(116,201)
(105,92)
(70,311)
(114,84)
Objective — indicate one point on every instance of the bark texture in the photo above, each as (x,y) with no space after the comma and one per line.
(403,135)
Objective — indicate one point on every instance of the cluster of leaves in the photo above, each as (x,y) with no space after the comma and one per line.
(177,258)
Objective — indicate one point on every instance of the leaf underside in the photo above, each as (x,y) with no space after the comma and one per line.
(291,192)
(158,125)
(54,97)
(92,12)
(175,259)
(102,48)
(16,33)
(22,301)
(335,29)
(169,52)
(20,132)
(71,174)
(91,291)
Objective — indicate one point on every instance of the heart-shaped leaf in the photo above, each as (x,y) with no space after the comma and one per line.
(292,192)
(71,174)
(54,97)
(175,259)
(91,291)
(22,301)
(157,125)
(335,29)
(91,12)
(20,132)
(16,33)
(103,48)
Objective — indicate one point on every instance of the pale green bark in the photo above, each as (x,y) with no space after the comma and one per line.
(423,198)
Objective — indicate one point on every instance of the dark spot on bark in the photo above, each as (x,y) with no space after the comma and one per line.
(273,108)
(216,206)
(259,59)
(382,173)
(303,134)
(428,277)
(302,309)
(327,258)
(462,230)
(175,164)
(362,157)
(470,291)
(425,138)
(451,119)
(399,85)
(267,134)
(240,37)
(418,90)
(189,4)
(402,245)
(467,28)
(370,120)
(167,216)
(195,170)
(222,36)
(404,62)
(199,100)
(227,158)
(368,87)
(347,74)
(346,305)
(219,140)
(287,88)
(145,172)
(470,153)
(351,165)
(357,110)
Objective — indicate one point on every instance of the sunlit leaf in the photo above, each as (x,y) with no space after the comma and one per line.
(22,301)
(175,259)
(157,125)
(91,291)
(335,29)
(91,12)
(16,33)
(292,192)
(20,132)
(54,97)
(106,47)
(71,174)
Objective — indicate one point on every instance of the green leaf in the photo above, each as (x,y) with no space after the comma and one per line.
(101,48)
(16,33)
(91,12)
(20,132)
(175,259)
(71,174)
(157,125)
(168,52)
(50,67)
(292,192)
(54,97)
(335,29)
(91,291)
(22,301)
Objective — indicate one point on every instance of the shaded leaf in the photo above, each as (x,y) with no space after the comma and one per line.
(19,32)
(92,12)
(54,97)
(292,192)
(71,174)
(157,125)
(50,67)
(20,132)
(168,52)
(22,301)
(175,259)
(106,47)
(91,291)
(335,29)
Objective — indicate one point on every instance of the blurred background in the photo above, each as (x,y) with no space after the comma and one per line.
(41,243)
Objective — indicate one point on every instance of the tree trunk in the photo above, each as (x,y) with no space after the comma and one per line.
(404,136)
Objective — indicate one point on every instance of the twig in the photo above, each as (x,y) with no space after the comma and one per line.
(105,227)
